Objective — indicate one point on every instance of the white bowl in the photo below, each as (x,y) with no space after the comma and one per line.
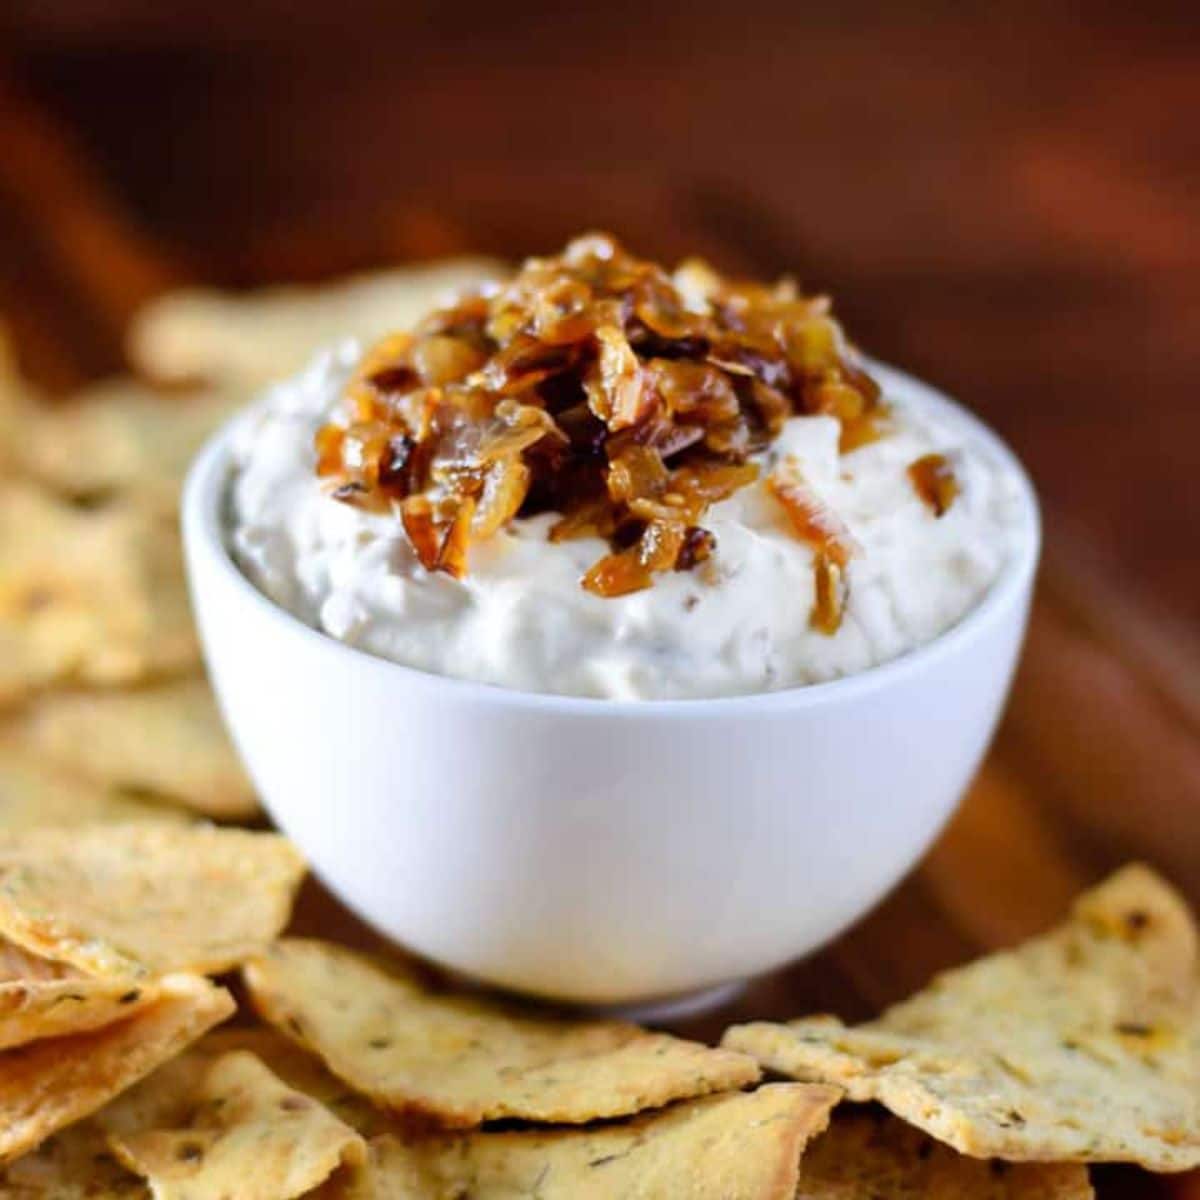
(596,851)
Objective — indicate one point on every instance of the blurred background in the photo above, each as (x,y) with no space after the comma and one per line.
(1001,197)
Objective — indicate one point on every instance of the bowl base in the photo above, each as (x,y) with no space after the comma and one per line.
(646,1012)
(669,1008)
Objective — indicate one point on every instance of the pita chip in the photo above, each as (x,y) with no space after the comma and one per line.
(461,1060)
(35,794)
(145,899)
(247,341)
(50,1084)
(1082,1045)
(740,1146)
(94,597)
(234,1129)
(870,1155)
(165,740)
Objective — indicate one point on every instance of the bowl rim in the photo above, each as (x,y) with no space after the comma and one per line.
(203,498)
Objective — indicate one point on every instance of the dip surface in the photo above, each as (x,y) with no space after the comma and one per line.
(738,623)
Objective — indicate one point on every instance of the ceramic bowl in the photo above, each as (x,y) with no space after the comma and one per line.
(600,852)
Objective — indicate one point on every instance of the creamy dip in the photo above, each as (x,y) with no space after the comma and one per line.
(739,623)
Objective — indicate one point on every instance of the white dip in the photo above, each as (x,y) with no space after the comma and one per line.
(737,624)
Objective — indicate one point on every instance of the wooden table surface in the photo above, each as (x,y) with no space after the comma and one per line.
(1003,201)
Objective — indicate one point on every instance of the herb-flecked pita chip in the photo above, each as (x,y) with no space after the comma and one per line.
(146,899)
(49,1084)
(161,1098)
(95,597)
(40,999)
(165,739)
(870,1155)
(250,340)
(75,1164)
(36,794)
(121,437)
(1081,1045)
(741,1146)
(300,1069)
(463,1060)
(238,1131)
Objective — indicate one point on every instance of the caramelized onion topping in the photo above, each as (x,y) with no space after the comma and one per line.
(816,523)
(830,601)
(597,386)
(934,481)
(813,521)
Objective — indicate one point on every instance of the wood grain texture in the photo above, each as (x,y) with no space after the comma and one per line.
(1003,199)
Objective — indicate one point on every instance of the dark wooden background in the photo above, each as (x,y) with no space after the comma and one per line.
(1003,197)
